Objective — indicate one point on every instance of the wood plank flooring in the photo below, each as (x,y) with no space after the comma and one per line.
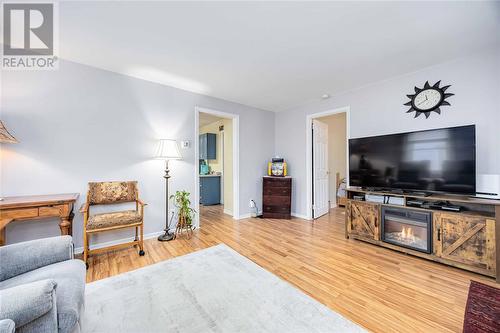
(380,289)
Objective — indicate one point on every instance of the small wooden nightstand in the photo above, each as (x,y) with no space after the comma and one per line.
(38,207)
(277,197)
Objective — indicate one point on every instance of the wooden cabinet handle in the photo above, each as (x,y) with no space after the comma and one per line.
(439,234)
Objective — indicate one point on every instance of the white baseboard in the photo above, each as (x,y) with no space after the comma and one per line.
(333,205)
(79,250)
(228,212)
(300,216)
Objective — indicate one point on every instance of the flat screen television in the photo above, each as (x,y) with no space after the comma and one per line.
(440,160)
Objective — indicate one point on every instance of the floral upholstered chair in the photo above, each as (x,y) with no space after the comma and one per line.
(109,193)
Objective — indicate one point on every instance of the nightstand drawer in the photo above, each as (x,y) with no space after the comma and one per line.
(281,191)
(276,209)
(21,213)
(276,200)
(57,210)
(277,182)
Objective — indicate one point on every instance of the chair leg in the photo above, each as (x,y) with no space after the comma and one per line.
(141,241)
(85,248)
(136,233)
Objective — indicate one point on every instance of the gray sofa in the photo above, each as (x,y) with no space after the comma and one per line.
(41,286)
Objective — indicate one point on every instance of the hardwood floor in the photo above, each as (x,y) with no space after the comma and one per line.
(380,289)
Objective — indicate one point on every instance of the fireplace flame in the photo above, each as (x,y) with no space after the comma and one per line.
(407,233)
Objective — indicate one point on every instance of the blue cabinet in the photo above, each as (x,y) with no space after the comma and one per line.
(209,190)
(208,146)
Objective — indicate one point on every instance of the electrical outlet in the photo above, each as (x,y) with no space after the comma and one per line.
(251,204)
(185,144)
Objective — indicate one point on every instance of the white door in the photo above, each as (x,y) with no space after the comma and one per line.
(320,169)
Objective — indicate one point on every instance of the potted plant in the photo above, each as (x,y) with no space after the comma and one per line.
(185,212)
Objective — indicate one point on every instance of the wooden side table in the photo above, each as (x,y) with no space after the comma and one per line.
(277,197)
(38,207)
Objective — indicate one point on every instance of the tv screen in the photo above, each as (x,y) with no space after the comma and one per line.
(441,160)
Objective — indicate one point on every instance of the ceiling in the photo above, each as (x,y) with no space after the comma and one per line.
(272,55)
(206,118)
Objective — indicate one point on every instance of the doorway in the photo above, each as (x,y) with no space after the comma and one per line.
(217,165)
(326,159)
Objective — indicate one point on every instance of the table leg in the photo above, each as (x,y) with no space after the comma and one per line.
(3,227)
(2,236)
(65,225)
(71,216)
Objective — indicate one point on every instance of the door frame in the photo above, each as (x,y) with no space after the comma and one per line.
(236,159)
(221,146)
(309,142)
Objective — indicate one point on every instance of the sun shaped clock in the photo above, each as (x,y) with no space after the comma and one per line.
(428,99)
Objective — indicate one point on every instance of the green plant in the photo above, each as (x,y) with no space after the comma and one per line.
(182,202)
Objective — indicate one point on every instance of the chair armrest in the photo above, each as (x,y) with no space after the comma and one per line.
(7,326)
(23,257)
(140,202)
(27,302)
(84,208)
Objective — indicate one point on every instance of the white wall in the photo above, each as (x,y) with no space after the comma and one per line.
(228,166)
(378,109)
(80,124)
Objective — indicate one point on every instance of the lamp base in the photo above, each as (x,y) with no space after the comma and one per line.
(166,237)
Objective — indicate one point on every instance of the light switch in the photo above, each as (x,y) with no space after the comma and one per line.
(185,144)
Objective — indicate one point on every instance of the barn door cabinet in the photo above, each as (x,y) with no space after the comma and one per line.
(466,240)
(363,220)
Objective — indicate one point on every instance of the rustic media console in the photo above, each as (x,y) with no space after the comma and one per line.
(468,239)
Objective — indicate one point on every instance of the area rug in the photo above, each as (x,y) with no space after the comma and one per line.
(212,290)
(482,313)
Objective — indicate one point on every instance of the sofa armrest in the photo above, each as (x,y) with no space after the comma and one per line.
(23,257)
(27,302)
(7,326)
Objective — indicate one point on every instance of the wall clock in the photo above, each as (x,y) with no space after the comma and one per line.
(428,99)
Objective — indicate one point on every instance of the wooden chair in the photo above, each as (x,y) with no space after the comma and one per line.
(109,193)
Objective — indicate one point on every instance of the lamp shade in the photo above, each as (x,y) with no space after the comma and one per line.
(5,136)
(167,149)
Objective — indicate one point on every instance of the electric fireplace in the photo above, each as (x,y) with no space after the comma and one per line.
(407,228)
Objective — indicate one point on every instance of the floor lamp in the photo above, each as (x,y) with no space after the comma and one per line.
(167,150)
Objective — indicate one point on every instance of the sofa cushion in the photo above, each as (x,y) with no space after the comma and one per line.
(7,326)
(112,192)
(70,278)
(107,220)
(28,302)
